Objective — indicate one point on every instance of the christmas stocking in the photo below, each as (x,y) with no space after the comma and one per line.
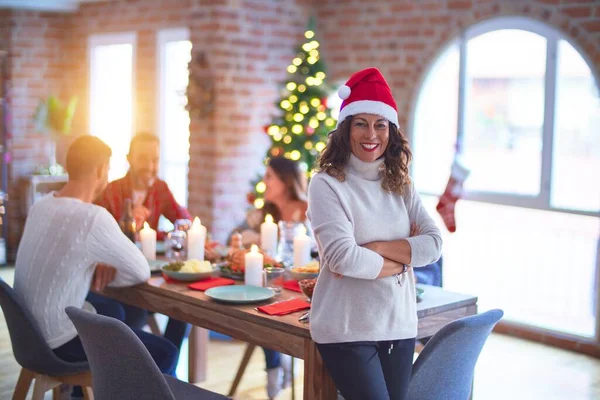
(453,192)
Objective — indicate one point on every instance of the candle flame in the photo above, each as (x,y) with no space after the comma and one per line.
(269,218)
(196,224)
(302,230)
(146,227)
(254,248)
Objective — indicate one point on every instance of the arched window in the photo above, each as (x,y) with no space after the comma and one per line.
(520,105)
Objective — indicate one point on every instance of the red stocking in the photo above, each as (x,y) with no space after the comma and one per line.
(452,193)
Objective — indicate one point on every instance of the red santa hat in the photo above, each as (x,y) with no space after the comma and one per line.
(367,92)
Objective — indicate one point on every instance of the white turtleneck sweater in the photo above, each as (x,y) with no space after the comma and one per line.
(344,216)
(63,240)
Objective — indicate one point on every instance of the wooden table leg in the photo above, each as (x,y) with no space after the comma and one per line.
(242,368)
(197,355)
(317,382)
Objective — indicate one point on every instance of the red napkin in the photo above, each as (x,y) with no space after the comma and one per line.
(292,285)
(285,307)
(168,279)
(211,283)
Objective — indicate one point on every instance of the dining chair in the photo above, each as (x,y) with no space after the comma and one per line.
(445,366)
(38,362)
(122,367)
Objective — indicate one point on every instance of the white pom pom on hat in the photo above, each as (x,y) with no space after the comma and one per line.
(344,92)
(367,92)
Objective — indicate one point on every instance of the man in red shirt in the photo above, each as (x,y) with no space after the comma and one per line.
(150,196)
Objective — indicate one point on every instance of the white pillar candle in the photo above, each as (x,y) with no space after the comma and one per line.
(302,247)
(196,239)
(268,236)
(253,275)
(148,239)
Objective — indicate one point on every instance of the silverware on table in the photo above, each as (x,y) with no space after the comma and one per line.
(304,317)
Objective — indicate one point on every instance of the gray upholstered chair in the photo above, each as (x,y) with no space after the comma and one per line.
(444,368)
(122,367)
(31,351)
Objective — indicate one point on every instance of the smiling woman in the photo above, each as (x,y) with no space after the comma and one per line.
(361,207)
(369,136)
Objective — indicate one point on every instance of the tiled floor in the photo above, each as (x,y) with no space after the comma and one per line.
(508,369)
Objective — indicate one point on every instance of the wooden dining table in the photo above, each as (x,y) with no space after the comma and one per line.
(285,334)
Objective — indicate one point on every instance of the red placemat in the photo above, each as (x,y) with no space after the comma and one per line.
(285,307)
(292,285)
(211,283)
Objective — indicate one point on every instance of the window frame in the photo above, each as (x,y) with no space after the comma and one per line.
(552,36)
(542,201)
(163,37)
(108,39)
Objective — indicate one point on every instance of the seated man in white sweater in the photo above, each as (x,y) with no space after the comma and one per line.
(70,243)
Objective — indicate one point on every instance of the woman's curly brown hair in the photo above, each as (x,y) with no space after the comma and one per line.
(397,157)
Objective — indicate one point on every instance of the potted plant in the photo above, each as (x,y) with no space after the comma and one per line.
(53,118)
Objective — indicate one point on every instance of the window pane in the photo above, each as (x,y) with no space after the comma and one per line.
(111,110)
(175,119)
(504,111)
(546,279)
(576,151)
(434,128)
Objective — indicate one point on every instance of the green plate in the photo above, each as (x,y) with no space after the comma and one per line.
(188,276)
(240,294)
(156,265)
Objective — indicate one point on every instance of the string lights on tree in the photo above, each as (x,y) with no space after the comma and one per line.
(300,129)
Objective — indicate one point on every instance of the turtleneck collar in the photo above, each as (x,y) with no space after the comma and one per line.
(364,170)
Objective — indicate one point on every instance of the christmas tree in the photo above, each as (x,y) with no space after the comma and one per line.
(300,129)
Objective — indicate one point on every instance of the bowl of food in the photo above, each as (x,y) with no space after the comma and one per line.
(308,271)
(190,270)
(227,271)
(235,265)
(308,286)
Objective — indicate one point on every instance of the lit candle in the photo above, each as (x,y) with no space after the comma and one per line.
(302,247)
(254,267)
(196,239)
(148,239)
(268,236)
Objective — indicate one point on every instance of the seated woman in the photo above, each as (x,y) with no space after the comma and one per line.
(285,200)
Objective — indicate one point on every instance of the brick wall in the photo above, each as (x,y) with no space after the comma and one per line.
(249,48)
(5,22)
(404,37)
(248,44)
(36,70)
